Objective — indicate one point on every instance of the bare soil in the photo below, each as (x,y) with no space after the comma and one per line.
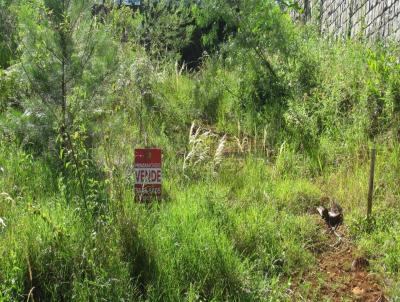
(339,274)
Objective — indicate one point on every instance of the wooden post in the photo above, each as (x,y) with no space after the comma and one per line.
(371,183)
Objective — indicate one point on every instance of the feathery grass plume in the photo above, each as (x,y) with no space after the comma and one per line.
(199,146)
(282,148)
(5,196)
(265,139)
(2,223)
(242,144)
(219,152)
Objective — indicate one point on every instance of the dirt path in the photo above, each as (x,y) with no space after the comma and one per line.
(339,275)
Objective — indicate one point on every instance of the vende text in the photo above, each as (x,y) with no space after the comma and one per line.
(148,176)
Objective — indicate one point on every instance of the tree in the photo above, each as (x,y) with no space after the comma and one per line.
(8,43)
(66,57)
(167,27)
(264,38)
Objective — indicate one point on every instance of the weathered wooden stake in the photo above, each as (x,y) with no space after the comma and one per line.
(371,182)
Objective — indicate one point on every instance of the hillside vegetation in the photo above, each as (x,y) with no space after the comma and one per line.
(260,120)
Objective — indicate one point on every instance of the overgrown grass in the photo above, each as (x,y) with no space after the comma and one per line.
(213,240)
(238,235)
(234,223)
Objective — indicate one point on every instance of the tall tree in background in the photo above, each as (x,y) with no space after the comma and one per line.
(263,38)
(66,58)
(8,43)
(167,27)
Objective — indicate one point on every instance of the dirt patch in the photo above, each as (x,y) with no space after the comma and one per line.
(339,274)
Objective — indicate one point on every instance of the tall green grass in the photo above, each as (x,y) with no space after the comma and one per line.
(213,240)
(233,229)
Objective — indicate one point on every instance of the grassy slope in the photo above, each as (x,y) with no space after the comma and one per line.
(237,232)
(239,235)
(213,239)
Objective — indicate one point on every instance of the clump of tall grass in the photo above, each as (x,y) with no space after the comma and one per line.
(205,149)
(199,146)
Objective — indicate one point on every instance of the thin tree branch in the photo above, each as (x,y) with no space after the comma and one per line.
(265,61)
(52,51)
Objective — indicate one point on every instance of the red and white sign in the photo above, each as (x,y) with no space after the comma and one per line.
(148,176)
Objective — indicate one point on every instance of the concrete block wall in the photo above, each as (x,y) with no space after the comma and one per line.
(373,19)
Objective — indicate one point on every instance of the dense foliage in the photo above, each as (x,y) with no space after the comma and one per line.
(258,118)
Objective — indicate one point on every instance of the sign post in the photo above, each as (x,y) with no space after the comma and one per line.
(148,175)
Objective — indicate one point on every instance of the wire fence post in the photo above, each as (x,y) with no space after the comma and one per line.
(371,183)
